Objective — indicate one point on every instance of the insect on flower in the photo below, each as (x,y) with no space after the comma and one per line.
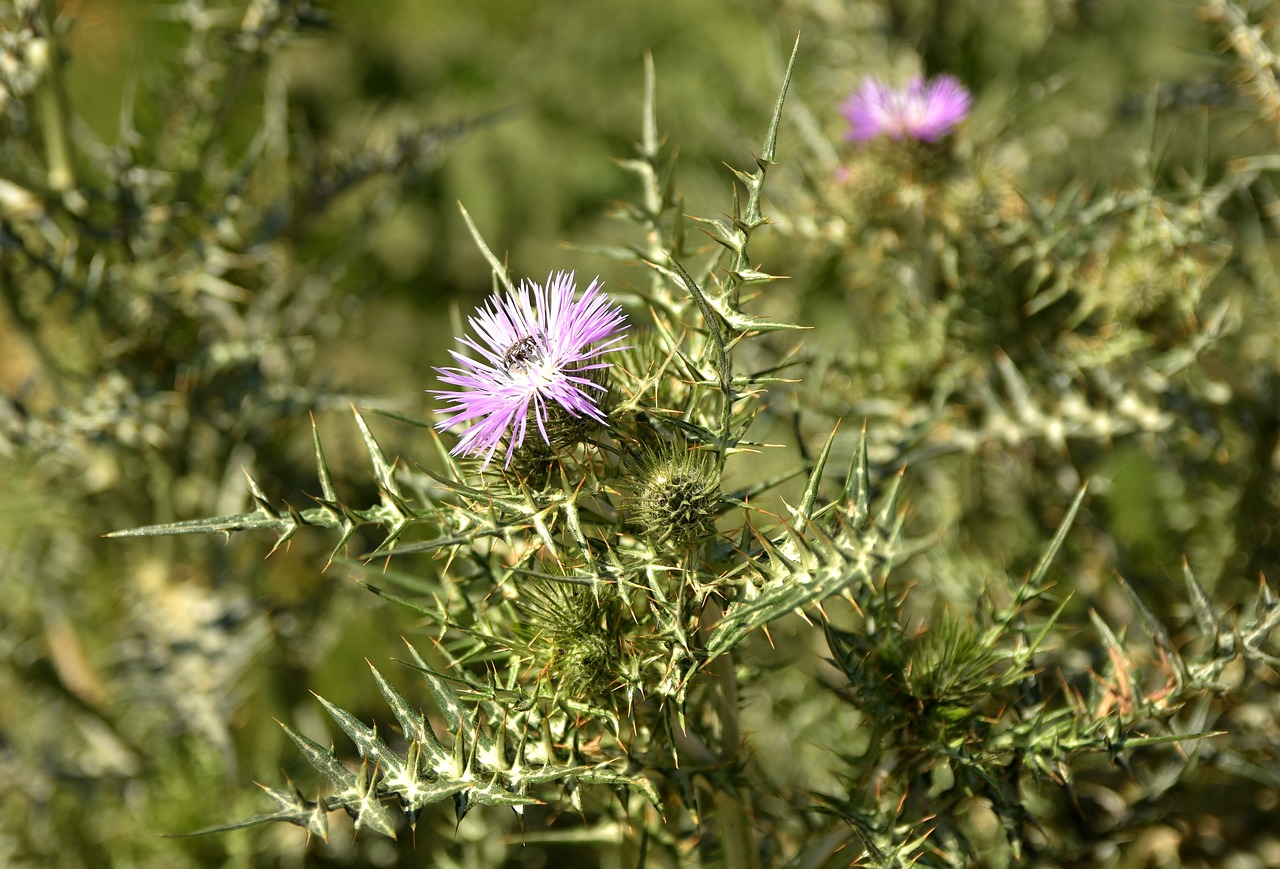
(522,354)
(539,351)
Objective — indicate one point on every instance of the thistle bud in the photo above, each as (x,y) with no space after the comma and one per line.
(587,666)
(571,632)
(1136,285)
(676,495)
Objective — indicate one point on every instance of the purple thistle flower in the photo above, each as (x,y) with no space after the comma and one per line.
(536,345)
(924,111)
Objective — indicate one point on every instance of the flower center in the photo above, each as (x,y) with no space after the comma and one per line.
(522,355)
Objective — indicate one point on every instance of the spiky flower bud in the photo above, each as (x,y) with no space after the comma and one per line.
(676,495)
(587,666)
(1136,284)
(569,629)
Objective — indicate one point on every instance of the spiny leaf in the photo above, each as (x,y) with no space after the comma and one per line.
(495,793)
(224,524)
(1155,630)
(415,725)
(1037,577)
(446,699)
(857,486)
(1145,741)
(260,498)
(888,515)
(499,270)
(820,568)
(400,416)
(722,355)
(1034,645)
(435,616)
(294,809)
(771,138)
(322,467)
(382,471)
(366,739)
(603,775)
(323,759)
(366,808)
(805,510)
(747,323)
(1202,606)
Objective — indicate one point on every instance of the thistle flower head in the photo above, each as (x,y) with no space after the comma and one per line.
(538,353)
(922,110)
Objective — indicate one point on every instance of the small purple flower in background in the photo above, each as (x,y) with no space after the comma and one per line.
(536,345)
(922,110)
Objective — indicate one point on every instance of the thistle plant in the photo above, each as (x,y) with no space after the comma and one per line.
(601,633)
(952,549)
(590,622)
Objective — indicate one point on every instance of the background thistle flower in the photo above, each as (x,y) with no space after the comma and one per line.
(538,347)
(922,110)
(676,495)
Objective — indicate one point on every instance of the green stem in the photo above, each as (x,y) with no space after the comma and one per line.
(735,831)
(54,114)
(731,809)
(649,150)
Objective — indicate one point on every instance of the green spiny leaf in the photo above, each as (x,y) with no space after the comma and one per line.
(446,699)
(1155,630)
(857,487)
(810,497)
(1037,577)
(366,739)
(1202,606)
(771,138)
(365,806)
(322,467)
(382,471)
(412,721)
(323,759)
(499,270)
